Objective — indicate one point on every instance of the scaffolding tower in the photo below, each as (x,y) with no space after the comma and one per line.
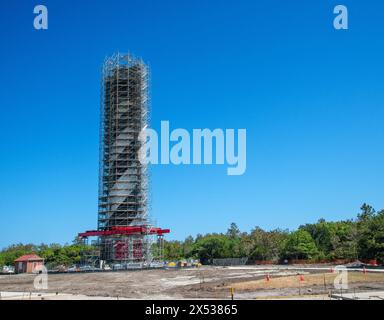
(123,185)
(124,231)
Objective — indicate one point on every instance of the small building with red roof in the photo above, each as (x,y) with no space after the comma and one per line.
(28,263)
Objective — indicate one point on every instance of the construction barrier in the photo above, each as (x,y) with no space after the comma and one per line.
(261,262)
(334,261)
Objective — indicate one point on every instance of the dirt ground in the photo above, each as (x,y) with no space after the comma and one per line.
(248,282)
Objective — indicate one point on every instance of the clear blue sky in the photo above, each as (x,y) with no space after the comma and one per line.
(310,97)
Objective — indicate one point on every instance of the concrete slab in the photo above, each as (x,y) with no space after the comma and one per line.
(371,295)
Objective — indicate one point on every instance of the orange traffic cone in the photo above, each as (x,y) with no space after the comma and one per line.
(301,277)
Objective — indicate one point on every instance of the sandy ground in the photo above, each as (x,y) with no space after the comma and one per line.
(249,282)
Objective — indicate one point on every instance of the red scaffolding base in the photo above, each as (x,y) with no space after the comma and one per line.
(124,231)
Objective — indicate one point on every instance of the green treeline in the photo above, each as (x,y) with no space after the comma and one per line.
(361,238)
(54,254)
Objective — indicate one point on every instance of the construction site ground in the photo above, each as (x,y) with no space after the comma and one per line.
(206,282)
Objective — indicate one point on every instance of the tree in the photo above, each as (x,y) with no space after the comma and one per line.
(343,240)
(334,240)
(300,245)
(212,247)
(11,253)
(259,251)
(367,212)
(47,253)
(2,260)
(173,250)
(322,233)
(371,236)
(188,247)
(233,231)
(266,245)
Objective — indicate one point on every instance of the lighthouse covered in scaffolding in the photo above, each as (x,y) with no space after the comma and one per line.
(124,230)
(124,112)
